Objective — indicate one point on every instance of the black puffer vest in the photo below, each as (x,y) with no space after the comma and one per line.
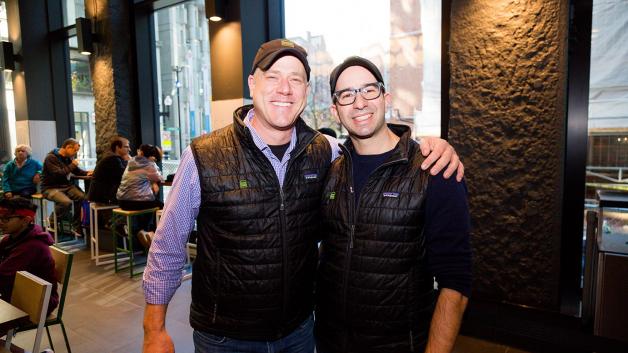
(254,272)
(374,293)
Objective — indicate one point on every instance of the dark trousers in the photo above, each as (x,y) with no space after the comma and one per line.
(63,198)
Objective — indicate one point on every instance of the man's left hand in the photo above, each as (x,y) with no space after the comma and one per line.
(441,154)
(36,179)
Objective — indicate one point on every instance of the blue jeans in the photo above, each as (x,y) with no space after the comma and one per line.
(300,340)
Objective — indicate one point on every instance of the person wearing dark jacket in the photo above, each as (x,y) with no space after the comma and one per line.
(389,228)
(253,188)
(108,172)
(24,248)
(56,184)
(22,174)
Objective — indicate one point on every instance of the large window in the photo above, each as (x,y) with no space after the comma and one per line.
(83,105)
(183,75)
(8,111)
(607,157)
(403,38)
(71,10)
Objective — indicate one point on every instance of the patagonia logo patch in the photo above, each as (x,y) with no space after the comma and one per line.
(391,194)
(311,176)
(244,184)
(332,195)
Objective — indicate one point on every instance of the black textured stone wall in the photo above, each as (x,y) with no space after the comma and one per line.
(508,79)
(113,73)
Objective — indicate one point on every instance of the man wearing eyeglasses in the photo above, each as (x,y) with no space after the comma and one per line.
(253,188)
(388,229)
(25,247)
(108,172)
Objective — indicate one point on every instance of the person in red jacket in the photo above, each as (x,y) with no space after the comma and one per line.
(24,247)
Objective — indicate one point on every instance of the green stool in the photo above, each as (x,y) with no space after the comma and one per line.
(120,214)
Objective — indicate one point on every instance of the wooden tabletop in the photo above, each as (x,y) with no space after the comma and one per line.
(11,317)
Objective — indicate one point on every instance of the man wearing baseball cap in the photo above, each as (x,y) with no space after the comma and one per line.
(254,190)
(389,228)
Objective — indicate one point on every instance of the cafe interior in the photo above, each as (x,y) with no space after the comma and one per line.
(533,96)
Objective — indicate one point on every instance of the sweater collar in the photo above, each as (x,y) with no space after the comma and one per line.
(403,148)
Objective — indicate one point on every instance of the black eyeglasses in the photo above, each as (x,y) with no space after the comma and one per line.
(5,219)
(369,92)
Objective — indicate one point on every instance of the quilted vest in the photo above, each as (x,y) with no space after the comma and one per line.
(257,242)
(374,293)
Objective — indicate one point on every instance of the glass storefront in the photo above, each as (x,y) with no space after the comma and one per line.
(402,38)
(184,81)
(71,10)
(7,112)
(607,155)
(83,106)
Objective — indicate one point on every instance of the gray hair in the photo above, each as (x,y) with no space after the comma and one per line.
(28,149)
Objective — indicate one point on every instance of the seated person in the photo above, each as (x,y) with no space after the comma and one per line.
(140,184)
(22,174)
(108,172)
(24,248)
(56,185)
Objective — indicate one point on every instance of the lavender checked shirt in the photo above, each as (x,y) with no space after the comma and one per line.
(167,254)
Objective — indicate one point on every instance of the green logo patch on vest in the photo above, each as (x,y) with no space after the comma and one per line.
(332,195)
(244,184)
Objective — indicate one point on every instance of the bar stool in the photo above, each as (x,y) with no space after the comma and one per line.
(94,207)
(42,204)
(56,227)
(42,208)
(119,214)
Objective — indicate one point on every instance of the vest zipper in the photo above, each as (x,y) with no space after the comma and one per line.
(351,236)
(282,216)
(215,312)
(354,206)
(411,342)
(284,245)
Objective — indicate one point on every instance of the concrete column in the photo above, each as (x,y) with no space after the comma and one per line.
(508,95)
(39,99)
(113,74)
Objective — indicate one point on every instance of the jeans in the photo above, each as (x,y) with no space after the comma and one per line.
(63,198)
(300,340)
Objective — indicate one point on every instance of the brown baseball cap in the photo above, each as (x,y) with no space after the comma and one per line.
(271,51)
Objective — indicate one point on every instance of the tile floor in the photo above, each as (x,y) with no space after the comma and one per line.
(103,314)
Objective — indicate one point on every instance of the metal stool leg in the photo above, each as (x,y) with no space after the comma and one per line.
(129,222)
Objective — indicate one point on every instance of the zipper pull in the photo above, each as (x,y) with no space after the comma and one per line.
(351,189)
(351,237)
(282,207)
(214,315)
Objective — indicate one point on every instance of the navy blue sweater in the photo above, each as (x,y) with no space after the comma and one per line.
(447,223)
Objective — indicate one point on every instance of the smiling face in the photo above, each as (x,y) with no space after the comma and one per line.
(364,118)
(279,94)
